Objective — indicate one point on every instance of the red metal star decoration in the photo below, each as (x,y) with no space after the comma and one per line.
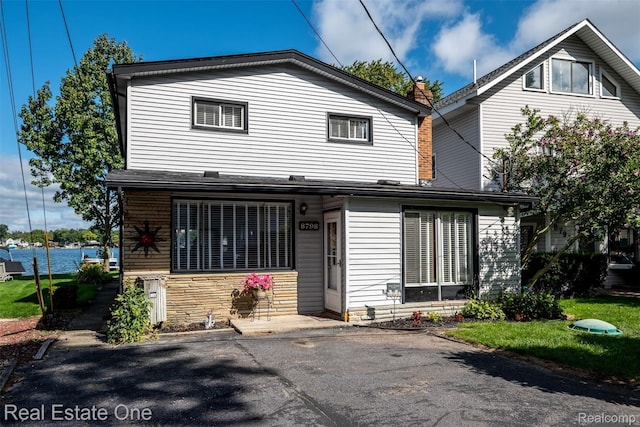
(146,239)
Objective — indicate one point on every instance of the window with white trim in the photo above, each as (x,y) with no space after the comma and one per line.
(534,79)
(231,235)
(571,76)
(212,114)
(438,254)
(609,88)
(351,129)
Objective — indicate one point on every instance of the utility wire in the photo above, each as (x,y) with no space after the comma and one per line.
(411,143)
(66,27)
(5,49)
(446,122)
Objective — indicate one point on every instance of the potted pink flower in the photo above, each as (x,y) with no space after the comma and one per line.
(258,284)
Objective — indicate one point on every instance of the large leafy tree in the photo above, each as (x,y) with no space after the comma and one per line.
(585,172)
(385,74)
(75,141)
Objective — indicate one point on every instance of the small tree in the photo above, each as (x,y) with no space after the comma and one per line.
(75,140)
(584,171)
(385,74)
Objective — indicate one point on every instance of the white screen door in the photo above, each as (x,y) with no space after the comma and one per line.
(332,262)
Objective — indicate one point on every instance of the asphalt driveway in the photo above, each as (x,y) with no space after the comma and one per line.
(335,377)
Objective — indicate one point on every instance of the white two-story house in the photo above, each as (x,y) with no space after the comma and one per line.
(278,163)
(577,70)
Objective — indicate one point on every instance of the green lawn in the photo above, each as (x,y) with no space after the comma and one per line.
(18,296)
(608,356)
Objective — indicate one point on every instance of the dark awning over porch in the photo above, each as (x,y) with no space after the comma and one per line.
(213,182)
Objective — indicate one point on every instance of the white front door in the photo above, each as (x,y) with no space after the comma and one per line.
(333,262)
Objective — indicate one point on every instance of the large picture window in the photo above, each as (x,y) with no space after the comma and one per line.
(438,254)
(571,76)
(231,235)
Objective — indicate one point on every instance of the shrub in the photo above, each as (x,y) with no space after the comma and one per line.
(482,309)
(575,274)
(92,274)
(530,306)
(130,321)
(434,316)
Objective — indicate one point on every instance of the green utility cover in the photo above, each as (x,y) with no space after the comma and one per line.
(595,326)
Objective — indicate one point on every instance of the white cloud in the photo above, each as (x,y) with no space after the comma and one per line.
(456,46)
(346,29)
(459,42)
(13,207)
(616,19)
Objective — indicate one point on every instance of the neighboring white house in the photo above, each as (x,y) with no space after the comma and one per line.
(577,70)
(278,163)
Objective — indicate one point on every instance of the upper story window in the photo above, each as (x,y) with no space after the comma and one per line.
(534,79)
(571,76)
(609,88)
(349,128)
(222,115)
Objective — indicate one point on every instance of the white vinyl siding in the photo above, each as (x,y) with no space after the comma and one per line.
(372,250)
(498,251)
(458,164)
(501,107)
(287,127)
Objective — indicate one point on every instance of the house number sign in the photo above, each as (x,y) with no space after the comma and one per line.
(309,225)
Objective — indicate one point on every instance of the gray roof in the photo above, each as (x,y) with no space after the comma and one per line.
(584,29)
(210,182)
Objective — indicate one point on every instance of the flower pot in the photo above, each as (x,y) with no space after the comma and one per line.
(259,294)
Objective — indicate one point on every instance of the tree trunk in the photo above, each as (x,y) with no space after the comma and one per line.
(553,260)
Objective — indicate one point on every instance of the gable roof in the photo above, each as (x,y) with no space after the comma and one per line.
(585,30)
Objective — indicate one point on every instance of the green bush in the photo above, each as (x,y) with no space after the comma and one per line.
(482,309)
(530,306)
(92,274)
(575,274)
(130,321)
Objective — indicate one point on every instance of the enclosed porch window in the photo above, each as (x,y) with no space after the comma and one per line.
(438,254)
(231,235)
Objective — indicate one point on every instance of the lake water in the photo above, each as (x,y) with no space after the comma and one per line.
(62,260)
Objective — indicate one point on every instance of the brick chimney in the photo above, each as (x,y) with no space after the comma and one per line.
(425,148)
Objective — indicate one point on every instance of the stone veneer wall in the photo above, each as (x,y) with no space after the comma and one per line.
(190,296)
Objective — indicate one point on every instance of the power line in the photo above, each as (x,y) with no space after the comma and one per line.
(446,122)
(411,143)
(5,49)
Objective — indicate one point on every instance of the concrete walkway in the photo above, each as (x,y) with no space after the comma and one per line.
(89,328)
(280,324)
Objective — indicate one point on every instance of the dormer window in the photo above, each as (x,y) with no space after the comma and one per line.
(534,79)
(219,115)
(571,76)
(349,128)
(609,88)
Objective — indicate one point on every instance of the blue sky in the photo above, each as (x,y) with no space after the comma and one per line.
(434,38)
